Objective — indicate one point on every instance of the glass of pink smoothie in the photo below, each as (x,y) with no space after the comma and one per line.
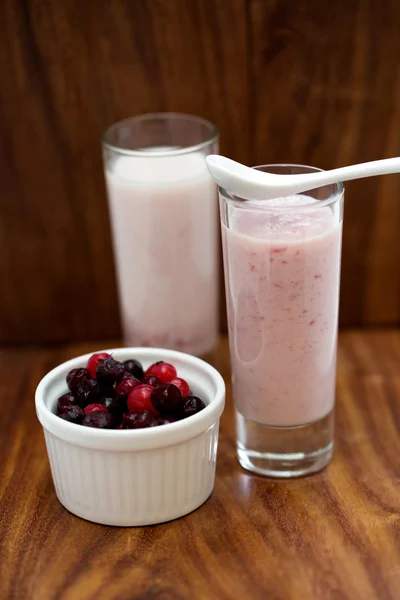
(163,208)
(282,276)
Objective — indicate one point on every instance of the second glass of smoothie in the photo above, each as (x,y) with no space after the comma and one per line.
(164,217)
(282,276)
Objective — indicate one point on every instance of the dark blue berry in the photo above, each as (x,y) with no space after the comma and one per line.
(134,367)
(88,392)
(139,420)
(74,415)
(191,406)
(109,372)
(98,420)
(167,398)
(66,401)
(76,377)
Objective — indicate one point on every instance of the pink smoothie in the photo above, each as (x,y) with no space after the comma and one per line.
(282,273)
(165,231)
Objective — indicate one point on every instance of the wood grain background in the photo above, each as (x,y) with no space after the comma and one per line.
(308,81)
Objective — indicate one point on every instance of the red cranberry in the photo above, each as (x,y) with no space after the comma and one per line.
(88,392)
(74,415)
(66,401)
(192,405)
(139,420)
(139,400)
(164,371)
(94,408)
(109,372)
(99,420)
(134,367)
(76,377)
(182,385)
(125,386)
(167,398)
(93,360)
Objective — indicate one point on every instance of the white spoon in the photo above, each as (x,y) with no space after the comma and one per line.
(252,184)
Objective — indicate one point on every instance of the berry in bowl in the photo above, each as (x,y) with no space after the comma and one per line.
(127,396)
(132,434)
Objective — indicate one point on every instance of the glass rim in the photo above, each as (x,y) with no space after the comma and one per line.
(256,204)
(213,137)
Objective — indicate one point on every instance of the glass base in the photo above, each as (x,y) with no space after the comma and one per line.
(284,451)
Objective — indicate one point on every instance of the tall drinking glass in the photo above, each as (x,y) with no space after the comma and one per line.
(164,218)
(282,276)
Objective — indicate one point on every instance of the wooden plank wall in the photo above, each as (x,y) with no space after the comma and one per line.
(308,81)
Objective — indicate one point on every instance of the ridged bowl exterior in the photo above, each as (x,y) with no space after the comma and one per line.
(134,477)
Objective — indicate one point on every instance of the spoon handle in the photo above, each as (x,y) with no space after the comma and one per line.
(369,169)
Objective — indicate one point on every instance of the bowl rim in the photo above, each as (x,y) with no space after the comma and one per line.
(138,439)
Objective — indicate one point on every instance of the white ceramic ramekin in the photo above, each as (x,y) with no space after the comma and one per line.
(134,477)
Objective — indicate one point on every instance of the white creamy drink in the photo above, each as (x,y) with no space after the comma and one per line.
(163,212)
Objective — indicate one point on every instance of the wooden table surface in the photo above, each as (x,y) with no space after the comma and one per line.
(334,535)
